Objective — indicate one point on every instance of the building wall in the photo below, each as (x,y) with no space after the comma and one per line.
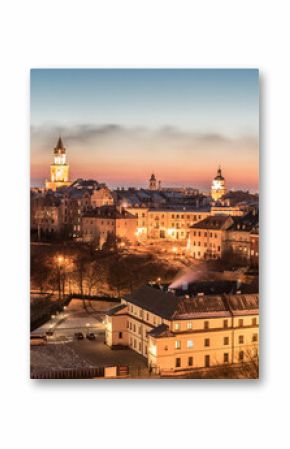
(97,226)
(116,330)
(102,197)
(214,343)
(163,225)
(254,250)
(193,341)
(207,243)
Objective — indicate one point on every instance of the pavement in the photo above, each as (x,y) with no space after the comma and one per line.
(63,350)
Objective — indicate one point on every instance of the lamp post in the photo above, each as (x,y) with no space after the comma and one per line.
(60,261)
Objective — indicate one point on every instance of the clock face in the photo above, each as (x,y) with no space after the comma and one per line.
(216,185)
(59,174)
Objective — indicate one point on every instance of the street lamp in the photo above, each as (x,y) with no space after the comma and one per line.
(60,261)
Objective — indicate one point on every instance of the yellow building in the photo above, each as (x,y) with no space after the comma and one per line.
(166,224)
(107,221)
(177,334)
(218,188)
(59,170)
(208,238)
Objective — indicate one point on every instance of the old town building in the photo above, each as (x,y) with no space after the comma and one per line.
(107,222)
(216,234)
(218,188)
(166,223)
(46,218)
(59,170)
(208,237)
(178,333)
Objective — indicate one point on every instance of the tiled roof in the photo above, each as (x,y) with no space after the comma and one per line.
(161,331)
(108,212)
(116,309)
(214,222)
(168,306)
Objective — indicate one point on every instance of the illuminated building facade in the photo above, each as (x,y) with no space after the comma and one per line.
(59,170)
(108,222)
(166,224)
(177,334)
(218,188)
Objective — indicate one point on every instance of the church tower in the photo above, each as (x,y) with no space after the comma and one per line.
(59,170)
(218,188)
(152,182)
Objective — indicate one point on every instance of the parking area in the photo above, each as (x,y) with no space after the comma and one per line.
(64,350)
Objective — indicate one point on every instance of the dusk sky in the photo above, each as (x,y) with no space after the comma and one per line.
(119,126)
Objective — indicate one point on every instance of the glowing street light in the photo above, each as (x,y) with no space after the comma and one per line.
(60,260)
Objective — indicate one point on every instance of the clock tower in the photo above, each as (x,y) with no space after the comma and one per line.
(59,170)
(218,187)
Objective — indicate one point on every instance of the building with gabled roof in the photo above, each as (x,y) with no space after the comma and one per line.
(178,333)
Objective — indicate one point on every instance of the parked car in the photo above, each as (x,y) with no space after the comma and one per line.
(38,340)
(91,336)
(79,336)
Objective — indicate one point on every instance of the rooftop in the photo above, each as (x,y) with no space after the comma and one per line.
(171,307)
(214,222)
(108,212)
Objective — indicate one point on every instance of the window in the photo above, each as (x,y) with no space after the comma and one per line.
(189,325)
(120,335)
(189,343)
(226,357)
(226,340)
(134,343)
(240,322)
(241,339)
(255,337)
(254,321)
(139,330)
(206,325)
(206,342)
(178,362)
(134,327)
(190,361)
(139,346)
(207,361)
(241,356)
(177,326)
(130,325)
(225,323)
(177,344)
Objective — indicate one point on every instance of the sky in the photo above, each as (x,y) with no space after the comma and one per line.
(121,125)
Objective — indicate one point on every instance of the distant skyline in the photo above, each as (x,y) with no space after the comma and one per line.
(121,125)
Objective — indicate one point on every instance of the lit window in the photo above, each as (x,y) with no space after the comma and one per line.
(189,325)
(177,344)
(189,343)
(177,326)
